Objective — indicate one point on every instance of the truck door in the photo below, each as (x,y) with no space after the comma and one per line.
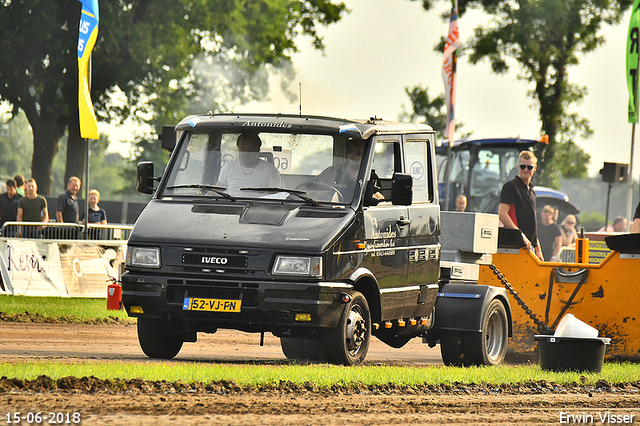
(424,215)
(387,232)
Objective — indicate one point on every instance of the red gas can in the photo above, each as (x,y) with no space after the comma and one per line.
(114,297)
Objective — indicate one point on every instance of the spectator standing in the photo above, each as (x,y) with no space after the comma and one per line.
(9,205)
(19,184)
(619,225)
(518,203)
(635,225)
(461,203)
(67,209)
(569,233)
(550,235)
(96,213)
(32,208)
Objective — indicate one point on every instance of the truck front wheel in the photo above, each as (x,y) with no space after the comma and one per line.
(302,349)
(490,346)
(348,343)
(155,339)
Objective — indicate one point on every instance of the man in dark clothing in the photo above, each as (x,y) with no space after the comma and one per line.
(549,235)
(9,205)
(67,209)
(32,208)
(635,225)
(518,203)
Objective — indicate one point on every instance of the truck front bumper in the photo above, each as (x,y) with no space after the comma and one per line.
(263,305)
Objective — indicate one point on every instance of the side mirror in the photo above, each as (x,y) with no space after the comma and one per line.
(144,179)
(402,189)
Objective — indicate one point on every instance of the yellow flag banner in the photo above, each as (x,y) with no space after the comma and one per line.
(87,36)
(633,39)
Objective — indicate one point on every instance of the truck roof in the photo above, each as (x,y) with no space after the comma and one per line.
(287,123)
(463,144)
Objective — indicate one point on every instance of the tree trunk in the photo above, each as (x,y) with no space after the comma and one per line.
(45,147)
(76,151)
(47,129)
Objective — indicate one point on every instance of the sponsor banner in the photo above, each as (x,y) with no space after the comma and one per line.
(34,268)
(598,250)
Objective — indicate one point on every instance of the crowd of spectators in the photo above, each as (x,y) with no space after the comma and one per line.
(22,203)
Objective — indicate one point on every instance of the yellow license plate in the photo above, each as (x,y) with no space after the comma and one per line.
(213,305)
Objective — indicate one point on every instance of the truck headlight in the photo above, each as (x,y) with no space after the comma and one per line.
(303,266)
(146,257)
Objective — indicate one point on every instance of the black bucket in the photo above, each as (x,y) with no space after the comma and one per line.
(559,353)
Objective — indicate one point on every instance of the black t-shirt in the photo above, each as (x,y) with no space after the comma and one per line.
(637,215)
(9,208)
(523,202)
(69,207)
(95,216)
(547,235)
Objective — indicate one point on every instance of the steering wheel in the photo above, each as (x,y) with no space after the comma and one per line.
(320,186)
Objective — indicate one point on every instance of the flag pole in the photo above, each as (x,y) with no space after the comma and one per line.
(449,76)
(633,67)
(630,210)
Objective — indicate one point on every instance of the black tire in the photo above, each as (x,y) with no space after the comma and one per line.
(155,339)
(348,343)
(490,346)
(452,347)
(315,350)
(302,349)
(293,348)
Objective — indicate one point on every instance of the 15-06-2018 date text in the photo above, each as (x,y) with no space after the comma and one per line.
(38,418)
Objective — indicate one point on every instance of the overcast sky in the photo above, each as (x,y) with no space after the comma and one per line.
(385,46)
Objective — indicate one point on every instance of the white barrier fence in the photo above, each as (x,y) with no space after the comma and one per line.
(65,268)
(65,231)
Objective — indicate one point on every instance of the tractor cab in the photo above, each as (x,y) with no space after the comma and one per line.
(479,168)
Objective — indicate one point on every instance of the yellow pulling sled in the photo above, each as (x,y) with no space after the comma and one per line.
(604,295)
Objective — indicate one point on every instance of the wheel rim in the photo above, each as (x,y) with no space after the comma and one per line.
(356,331)
(494,337)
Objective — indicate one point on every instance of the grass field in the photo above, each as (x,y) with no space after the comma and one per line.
(59,309)
(320,374)
(93,311)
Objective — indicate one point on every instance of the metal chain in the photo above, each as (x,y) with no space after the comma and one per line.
(542,326)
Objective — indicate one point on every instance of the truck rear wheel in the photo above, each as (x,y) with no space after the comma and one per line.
(490,346)
(348,343)
(452,347)
(155,339)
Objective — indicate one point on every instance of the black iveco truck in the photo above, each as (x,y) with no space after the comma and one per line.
(322,231)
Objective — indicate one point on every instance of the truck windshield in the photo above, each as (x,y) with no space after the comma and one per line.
(310,168)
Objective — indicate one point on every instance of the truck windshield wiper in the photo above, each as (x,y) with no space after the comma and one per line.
(217,189)
(297,193)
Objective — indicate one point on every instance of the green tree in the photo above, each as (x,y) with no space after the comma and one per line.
(147,49)
(16,145)
(145,149)
(432,111)
(426,109)
(545,38)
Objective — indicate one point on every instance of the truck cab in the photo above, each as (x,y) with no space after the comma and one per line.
(328,235)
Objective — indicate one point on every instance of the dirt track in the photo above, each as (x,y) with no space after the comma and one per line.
(151,404)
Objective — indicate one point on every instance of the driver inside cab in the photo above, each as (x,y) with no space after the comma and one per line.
(344,176)
(248,170)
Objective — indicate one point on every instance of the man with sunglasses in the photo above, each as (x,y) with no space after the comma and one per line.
(518,203)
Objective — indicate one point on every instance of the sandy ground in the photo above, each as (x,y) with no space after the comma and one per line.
(145,404)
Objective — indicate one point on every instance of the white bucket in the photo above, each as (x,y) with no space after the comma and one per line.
(570,326)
